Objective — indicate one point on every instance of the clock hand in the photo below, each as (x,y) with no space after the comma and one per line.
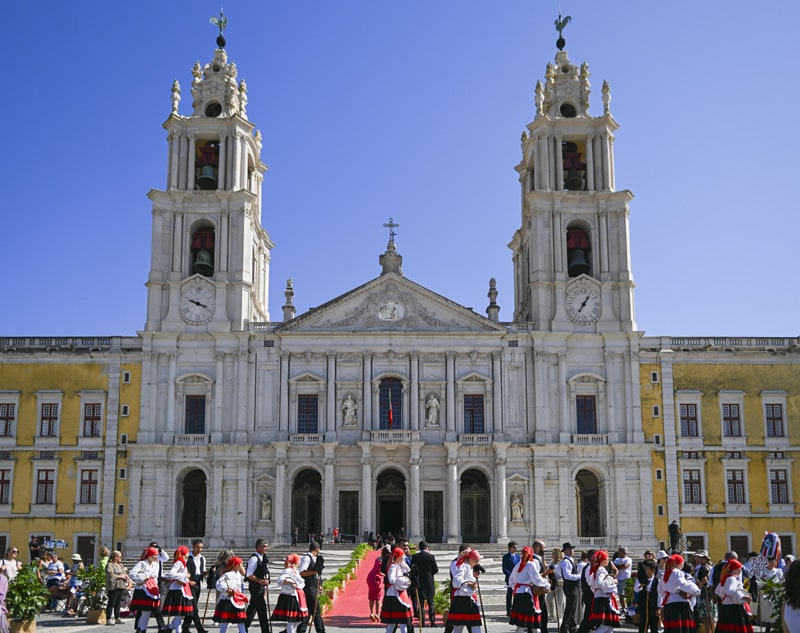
(583,305)
(197,303)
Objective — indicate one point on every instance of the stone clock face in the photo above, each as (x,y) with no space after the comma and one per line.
(198,302)
(583,305)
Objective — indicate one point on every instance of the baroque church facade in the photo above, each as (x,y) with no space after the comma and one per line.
(390,406)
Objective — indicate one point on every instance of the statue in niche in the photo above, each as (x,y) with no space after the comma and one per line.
(266,508)
(517,509)
(349,409)
(432,405)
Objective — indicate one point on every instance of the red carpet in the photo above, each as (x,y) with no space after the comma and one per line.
(350,608)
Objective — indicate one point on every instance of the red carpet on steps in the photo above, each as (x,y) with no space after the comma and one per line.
(351,607)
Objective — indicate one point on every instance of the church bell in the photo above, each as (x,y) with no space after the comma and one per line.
(203,263)
(208,177)
(577,264)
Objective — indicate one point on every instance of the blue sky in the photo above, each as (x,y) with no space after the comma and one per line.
(372,109)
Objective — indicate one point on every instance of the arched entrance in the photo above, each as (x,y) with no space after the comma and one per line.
(589,502)
(390,494)
(475,507)
(307,502)
(193,504)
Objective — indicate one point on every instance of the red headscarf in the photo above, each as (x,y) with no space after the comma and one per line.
(292,559)
(463,556)
(599,557)
(398,552)
(148,552)
(731,565)
(233,561)
(676,560)
(527,554)
(181,553)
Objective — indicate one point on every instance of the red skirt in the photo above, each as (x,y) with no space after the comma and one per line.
(677,617)
(463,610)
(525,611)
(141,601)
(604,613)
(225,611)
(733,618)
(393,611)
(287,609)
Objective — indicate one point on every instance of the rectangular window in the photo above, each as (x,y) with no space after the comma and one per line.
(195,415)
(656,411)
(659,474)
(125,410)
(45,486)
(736,486)
(88,486)
(7,415)
(5,486)
(307,413)
(91,419)
(778,487)
(587,414)
(49,420)
(688,415)
(774,415)
(654,376)
(741,543)
(126,377)
(123,474)
(390,404)
(692,492)
(731,422)
(473,413)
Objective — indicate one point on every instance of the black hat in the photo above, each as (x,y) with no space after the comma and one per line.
(567,545)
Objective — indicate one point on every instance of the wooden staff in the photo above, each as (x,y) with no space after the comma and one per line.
(480,599)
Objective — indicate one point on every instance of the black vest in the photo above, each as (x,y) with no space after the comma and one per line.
(261,571)
(571,583)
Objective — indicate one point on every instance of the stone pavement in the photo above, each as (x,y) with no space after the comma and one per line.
(54,623)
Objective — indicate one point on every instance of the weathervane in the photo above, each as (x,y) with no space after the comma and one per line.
(560,25)
(220,22)
(391,225)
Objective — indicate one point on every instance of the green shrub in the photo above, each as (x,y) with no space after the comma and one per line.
(26,596)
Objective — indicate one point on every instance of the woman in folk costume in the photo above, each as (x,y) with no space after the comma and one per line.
(396,609)
(179,601)
(231,600)
(526,613)
(146,595)
(604,615)
(465,615)
(291,606)
(677,592)
(734,609)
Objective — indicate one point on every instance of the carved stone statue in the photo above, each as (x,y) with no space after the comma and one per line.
(266,508)
(349,409)
(517,509)
(176,96)
(539,98)
(432,405)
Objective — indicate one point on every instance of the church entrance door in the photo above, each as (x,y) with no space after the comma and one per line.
(589,499)
(193,504)
(307,503)
(391,506)
(475,508)
(433,516)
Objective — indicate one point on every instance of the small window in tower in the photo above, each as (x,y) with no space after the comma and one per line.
(213,109)
(568,111)
(206,164)
(579,250)
(203,252)
(572,154)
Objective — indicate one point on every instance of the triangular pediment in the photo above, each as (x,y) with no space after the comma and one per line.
(390,303)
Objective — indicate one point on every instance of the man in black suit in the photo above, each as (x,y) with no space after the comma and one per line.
(196,566)
(426,568)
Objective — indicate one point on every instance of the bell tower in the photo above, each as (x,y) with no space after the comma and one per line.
(571,254)
(209,268)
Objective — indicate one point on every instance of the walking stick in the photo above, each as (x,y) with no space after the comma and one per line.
(419,607)
(269,610)
(555,601)
(480,599)
(205,610)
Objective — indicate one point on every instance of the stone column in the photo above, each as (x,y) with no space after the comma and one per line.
(563,388)
(279,514)
(415,529)
(366,488)
(453,494)
(283,424)
(221,179)
(501,505)
(183,160)
(559,163)
(590,162)
(217,423)
(332,410)
(366,388)
(606,153)
(177,242)
(329,498)
(174,158)
(237,163)
(241,405)
(190,163)
(450,411)
(414,399)
(222,261)
(170,422)
(497,394)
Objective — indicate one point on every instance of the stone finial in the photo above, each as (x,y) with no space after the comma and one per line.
(288,307)
(390,261)
(176,96)
(539,98)
(606,97)
(197,72)
(243,98)
(493,310)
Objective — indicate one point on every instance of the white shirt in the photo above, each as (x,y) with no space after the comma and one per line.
(623,573)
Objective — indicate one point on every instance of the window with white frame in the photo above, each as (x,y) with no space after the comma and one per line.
(49,403)
(731,407)
(45,486)
(5,486)
(9,402)
(194,397)
(690,424)
(778,486)
(88,486)
(774,404)
(588,398)
(307,413)
(307,403)
(92,419)
(473,413)
(474,403)
(735,486)
(692,486)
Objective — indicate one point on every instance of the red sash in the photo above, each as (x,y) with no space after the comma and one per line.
(239,600)
(151,588)
(301,599)
(186,590)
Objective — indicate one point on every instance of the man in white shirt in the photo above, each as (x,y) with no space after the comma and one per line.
(623,563)
(571,587)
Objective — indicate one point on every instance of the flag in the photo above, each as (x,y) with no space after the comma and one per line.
(390,408)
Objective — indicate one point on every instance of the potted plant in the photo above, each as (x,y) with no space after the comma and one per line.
(25,599)
(93,587)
